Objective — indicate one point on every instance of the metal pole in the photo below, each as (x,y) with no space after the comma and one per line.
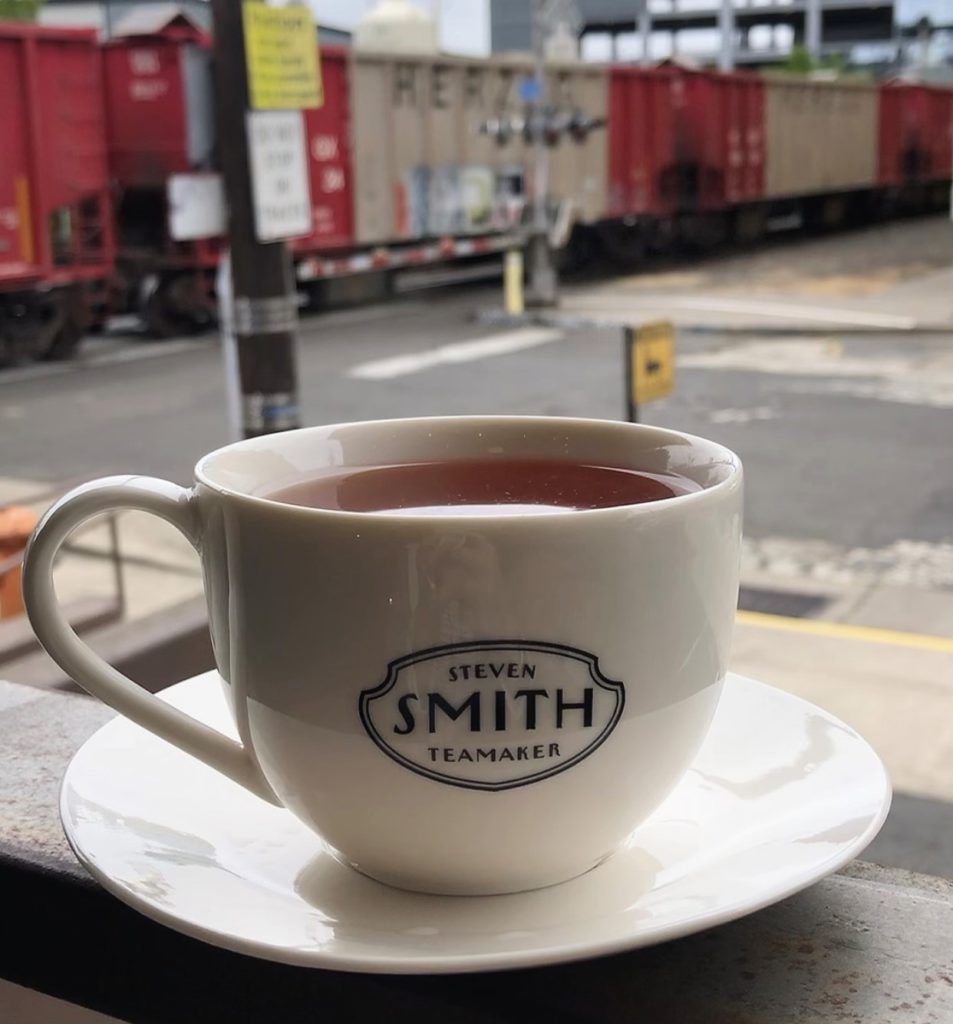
(629,341)
(645,31)
(264,315)
(924,37)
(543,285)
(726,26)
(513,301)
(812,29)
(115,557)
(226,328)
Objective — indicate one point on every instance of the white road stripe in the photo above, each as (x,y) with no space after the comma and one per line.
(920,379)
(147,350)
(796,311)
(456,352)
(136,351)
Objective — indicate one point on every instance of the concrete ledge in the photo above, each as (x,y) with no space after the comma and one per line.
(869,944)
(16,635)
(156,651)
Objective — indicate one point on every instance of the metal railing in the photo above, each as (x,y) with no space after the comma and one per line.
(16,637)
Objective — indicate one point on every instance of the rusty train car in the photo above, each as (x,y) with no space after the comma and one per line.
(107,139)
(700,156)
(57,248)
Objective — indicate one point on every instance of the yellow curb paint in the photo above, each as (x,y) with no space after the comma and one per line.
(845,631)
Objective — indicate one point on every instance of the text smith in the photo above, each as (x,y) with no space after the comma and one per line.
(537,706)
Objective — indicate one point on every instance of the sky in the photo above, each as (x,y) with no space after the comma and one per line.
(465,24)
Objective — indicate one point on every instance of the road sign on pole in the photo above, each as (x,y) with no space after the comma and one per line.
(543,282)
(281,44)
(649,353)
(281,189)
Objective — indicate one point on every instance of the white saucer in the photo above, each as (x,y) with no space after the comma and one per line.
(781,795)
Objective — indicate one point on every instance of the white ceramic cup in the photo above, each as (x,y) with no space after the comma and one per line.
(460,704)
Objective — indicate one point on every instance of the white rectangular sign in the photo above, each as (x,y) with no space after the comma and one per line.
(196,205)
(279,172)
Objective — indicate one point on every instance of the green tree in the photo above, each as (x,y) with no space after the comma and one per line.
(800,62)
(19,10)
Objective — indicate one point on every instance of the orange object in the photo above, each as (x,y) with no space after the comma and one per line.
(16,525)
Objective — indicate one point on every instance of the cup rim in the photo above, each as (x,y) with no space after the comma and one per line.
(725,457)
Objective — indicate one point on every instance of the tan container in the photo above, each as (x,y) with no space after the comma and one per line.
(372,148)
(421,166)
(580,172)
(820,136)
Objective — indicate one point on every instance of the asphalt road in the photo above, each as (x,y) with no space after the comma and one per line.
(831,452)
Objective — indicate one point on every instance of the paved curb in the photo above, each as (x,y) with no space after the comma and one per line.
(574,321)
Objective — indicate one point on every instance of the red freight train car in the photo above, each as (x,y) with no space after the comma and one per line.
(686,156)
(642,145)
(649,161)
(721,130)
(159,101)
(327,130)
(160,116)
(915,135)
(56,241)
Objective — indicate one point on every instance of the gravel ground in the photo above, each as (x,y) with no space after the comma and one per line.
(850,263)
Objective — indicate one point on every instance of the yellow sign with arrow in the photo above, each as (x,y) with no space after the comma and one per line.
(650,363)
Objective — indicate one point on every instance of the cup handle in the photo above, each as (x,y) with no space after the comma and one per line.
(175,505)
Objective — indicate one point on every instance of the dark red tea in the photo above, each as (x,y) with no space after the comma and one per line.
(485,487)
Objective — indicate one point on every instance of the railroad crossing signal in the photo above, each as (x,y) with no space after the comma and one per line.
(649,364)
(550,126)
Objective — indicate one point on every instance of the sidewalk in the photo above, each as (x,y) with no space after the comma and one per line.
(923,303)
(895,689)
(928,298)
(159,567)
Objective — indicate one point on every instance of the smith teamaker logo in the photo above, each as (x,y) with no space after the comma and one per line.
(492,714)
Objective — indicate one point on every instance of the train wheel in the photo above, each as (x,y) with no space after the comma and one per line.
(6,347)
(940,196)
(579,253)
(68,325)
(28,326)
(834,212)
(750,224)
(702,232)
(624,244)
(65,341)
(171,306)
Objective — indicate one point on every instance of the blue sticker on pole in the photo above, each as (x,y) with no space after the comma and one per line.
(530,90)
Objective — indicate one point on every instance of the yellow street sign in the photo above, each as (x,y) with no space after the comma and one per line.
(281,50)
(652,361)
